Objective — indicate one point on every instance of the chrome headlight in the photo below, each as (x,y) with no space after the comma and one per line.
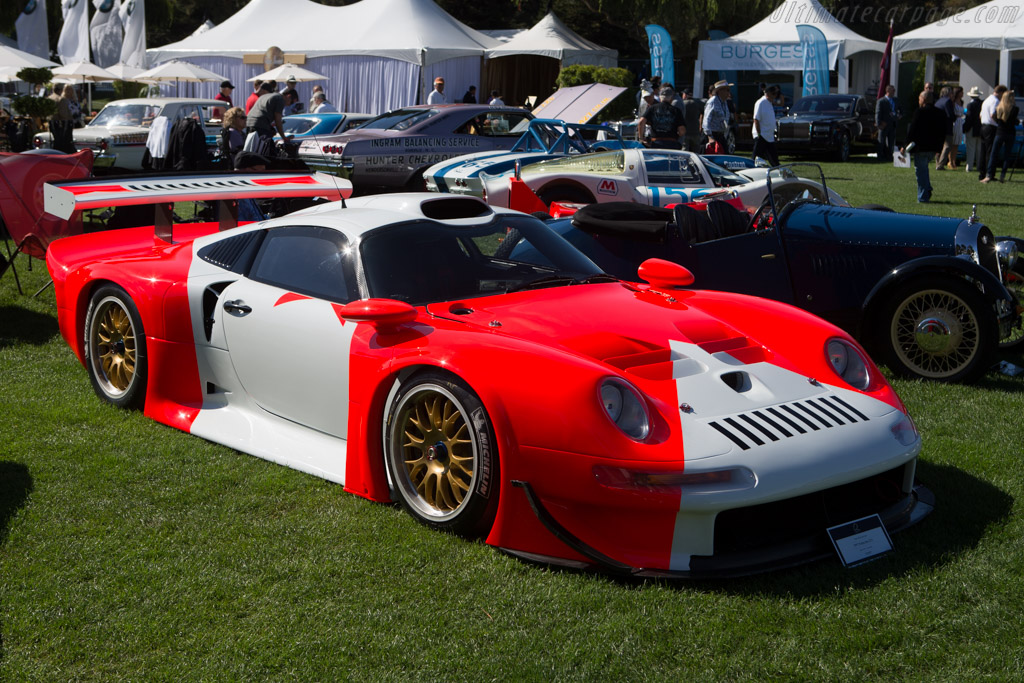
(848,363)
(625,407)
(1006,252)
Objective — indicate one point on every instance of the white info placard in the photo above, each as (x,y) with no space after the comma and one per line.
(861,540)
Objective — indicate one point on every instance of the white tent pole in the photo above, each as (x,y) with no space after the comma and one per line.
(842,71)
(1004,67)
(929,68)
(698,75)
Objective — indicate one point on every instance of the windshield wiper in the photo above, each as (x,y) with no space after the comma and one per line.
(560,280)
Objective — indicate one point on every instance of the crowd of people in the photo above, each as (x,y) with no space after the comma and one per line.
(986,127)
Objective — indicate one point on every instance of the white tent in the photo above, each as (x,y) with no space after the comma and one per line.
(528,63)
(980,36)
(551,38)
(377,54)
(773,44)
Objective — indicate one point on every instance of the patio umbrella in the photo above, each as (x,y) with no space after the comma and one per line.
(285,71)
(82,72)
(8,74)
(176,70)
(10,56)
(123,72)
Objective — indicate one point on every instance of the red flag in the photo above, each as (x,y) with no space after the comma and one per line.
(885,68)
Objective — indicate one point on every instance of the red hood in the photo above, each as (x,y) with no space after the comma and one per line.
(613,323)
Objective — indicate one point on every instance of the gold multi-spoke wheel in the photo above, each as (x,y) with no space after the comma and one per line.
(940,328)
(440,450)
(115,347)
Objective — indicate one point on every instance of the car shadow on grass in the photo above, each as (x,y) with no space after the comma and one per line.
(15,486)
(22,326)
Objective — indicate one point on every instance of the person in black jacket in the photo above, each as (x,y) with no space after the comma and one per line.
(927,134)
(972,128)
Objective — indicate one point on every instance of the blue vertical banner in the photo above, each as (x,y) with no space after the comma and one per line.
(662,63)
(815,49)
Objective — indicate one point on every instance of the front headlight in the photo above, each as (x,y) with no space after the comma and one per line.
(626,408)
(848,363)
(1007,253)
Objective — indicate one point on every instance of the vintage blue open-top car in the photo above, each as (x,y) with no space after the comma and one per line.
(927,295)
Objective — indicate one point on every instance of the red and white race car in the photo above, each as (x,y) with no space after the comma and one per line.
(561,414)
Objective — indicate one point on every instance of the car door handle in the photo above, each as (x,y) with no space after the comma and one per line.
(237,307)
(767,257)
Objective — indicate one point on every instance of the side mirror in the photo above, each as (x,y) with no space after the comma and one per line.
(384,314)
(662,274)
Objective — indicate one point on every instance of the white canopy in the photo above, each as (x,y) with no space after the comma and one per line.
(996,25)
(415,31)
(773,43)
(12,56)
(552,38)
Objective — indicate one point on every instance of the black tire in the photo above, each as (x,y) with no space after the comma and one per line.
(1015,283)
(843,150)
(565,193)
(508,243)
(416,182)
(445,474)
(938,328)
(876,207)
(730,141)
(115,348)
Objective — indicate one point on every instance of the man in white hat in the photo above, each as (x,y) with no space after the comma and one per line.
(972,129)
(716,114)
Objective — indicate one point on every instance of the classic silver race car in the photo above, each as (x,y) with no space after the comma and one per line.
(117,136)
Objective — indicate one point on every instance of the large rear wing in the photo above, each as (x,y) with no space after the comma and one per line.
(65,199)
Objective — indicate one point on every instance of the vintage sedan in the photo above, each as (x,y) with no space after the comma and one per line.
(557,412)
(927,295)
(392,150)
(827,123)
(301,126)
(657,177)
(117,136)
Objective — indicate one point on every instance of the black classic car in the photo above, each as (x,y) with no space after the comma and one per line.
(392,150)
(926,295)
(826,123)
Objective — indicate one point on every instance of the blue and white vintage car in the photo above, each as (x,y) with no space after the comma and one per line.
(543,140)
(657,177)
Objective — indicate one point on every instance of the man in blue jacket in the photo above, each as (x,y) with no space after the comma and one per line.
(887,113)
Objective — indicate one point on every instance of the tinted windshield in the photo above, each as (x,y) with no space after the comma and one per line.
(298,126)
(795,184)
(824,105)
(127,115)
(423,262)
(723,177)
(400,119)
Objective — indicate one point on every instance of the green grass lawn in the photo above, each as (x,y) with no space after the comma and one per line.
(131,551)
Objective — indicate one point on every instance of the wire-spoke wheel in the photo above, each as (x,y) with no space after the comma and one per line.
(115,348)
(1015,283)
(441,454)
(939,328)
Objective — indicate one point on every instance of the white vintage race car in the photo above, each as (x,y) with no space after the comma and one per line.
(117,136)
(658,177)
